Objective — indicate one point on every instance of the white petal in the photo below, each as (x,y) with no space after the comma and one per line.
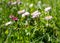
(48,17)
(35,14)
(25,14)
(8,23)
(20,12)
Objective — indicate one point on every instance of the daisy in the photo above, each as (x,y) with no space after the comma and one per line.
(14,3)
(35,14)
(25,14)
(21,12)
(48,17)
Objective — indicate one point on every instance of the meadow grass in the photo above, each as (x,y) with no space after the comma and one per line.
(45,28)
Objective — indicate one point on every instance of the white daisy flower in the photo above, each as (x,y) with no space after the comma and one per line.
(8,23)
(35,14)
(47,9)
(21,12)
(48,17)
(25,14)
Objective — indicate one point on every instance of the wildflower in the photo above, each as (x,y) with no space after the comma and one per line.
(8,23)
(47,9)
(15,18)
(35,14)
(16,2)
(31,5)
(48,17)
(25,14)
(21,12)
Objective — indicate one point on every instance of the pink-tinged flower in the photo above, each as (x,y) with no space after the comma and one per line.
(21,12)
(47,9)
(35,14)
(48,17)
(25,14)
(15,18)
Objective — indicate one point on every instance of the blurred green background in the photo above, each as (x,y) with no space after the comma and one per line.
(36,31)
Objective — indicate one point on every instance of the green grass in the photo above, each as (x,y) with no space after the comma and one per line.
(36,31)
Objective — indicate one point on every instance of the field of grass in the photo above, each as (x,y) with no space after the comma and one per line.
(29,21)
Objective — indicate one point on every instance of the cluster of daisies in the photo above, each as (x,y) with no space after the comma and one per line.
(35,14)
(24,13)
(14,3)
